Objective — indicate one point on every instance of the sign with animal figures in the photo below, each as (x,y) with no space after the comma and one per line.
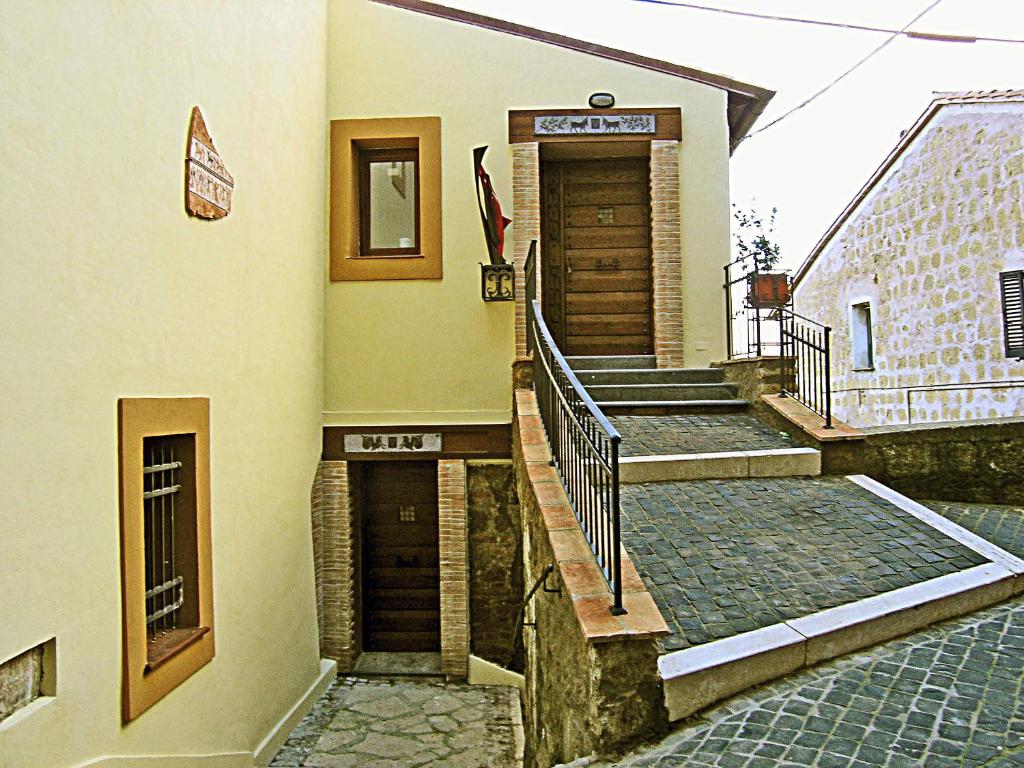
(429,442)
(554,125)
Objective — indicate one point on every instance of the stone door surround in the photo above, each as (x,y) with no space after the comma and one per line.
(666,253)
(337,546)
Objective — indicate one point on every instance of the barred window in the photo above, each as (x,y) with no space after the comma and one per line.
(1012,285)
(166,559)
(169,527)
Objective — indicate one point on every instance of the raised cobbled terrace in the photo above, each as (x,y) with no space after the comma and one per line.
(697,433)
(723,557)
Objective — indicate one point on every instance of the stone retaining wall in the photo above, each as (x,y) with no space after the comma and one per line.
(495,563)
(592,682)
(979,462)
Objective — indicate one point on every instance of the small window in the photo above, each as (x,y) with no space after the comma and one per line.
(385,199)
(1012,285)
(389,191)
(863,348)
(166,579)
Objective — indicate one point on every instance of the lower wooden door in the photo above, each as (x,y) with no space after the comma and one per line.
(401,564)
(596,255)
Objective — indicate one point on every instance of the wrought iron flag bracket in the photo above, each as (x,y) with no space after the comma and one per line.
(497,279)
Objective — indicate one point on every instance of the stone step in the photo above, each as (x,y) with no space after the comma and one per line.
(611,362)
(670,407)
(653,376)
(778,462)
(661,392)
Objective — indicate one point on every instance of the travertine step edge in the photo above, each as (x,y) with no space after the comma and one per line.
(773,462)
(578,570)
(732,403)
(697,677)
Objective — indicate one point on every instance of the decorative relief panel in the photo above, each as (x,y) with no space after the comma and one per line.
(208,185)
(428,442)
(549,125)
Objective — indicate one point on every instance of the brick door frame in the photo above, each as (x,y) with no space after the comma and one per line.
(337,549)
(666,243)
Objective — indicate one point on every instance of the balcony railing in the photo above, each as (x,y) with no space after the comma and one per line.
(806,359)
(584,445)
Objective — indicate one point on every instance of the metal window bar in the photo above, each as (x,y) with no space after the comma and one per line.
(585,451)
(806,362)
(164,588)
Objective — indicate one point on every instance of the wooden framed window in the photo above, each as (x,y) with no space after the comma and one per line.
(385,192)
(166,578)
(389,202)
(1012,289)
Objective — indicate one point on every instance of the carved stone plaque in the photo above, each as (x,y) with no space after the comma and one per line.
(387,442)
(208,185)
(549,125)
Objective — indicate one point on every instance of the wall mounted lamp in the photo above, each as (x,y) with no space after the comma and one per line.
(601,100)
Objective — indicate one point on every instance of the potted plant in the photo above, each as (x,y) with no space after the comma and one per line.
(767,288)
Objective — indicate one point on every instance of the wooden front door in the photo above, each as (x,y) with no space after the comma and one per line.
(401,566)
(596,255)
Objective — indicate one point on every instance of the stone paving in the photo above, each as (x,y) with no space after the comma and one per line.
(663,435)
(720,561)
(392,722)
(948,696)
(1003,525)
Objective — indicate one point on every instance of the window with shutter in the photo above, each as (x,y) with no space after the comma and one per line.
(1012,284)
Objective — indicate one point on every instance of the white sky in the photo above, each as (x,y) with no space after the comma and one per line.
(810,165)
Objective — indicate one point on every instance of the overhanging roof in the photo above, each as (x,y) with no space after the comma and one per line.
(746,102)
(942,99)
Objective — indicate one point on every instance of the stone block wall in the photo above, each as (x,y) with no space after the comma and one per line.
(525,225)
(454,551)
(495,563)
(926,248)
(21,680)
(336,544)
(666,254)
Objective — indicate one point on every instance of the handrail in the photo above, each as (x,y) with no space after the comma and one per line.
(559,358)
(806,362)
(584,448)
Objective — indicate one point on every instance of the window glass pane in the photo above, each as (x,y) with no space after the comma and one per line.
(863,355)
(392,204)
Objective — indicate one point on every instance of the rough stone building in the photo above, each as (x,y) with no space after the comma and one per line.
(920,276)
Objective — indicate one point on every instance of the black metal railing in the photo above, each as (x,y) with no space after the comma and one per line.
(806,359)
(751,329)
(584,447)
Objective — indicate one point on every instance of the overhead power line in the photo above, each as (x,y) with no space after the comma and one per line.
(864,60)
(911,34)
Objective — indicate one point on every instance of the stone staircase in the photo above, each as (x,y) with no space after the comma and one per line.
(633,385)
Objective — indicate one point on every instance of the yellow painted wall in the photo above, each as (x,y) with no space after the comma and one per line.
(107,289)
(408,352)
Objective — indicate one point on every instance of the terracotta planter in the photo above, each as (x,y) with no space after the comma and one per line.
(769,289)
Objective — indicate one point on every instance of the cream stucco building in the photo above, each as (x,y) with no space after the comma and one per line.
(920,276)
(276,356)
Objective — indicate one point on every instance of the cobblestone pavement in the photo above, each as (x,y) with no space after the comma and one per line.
(387,723)
(948,696)
(661,435)
(1002,525)
(722,557)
